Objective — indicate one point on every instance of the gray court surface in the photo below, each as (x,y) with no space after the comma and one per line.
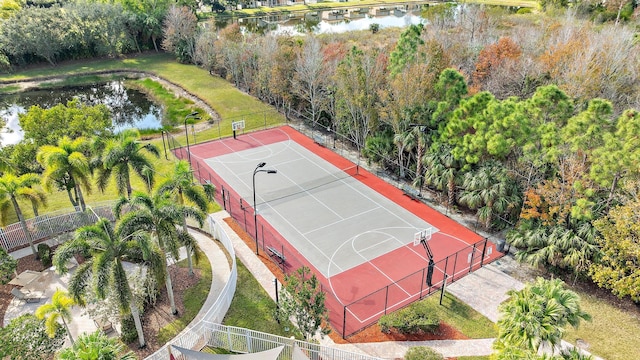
(335,221)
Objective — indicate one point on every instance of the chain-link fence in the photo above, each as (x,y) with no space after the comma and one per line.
(346,319)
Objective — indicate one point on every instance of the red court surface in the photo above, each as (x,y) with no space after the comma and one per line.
(358,296)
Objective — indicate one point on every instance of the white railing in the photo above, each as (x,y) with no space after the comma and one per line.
(194,337)
(208,332)
(13,237)
(240,340)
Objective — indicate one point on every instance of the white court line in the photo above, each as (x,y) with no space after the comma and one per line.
(310,194)
(303,156)
(389,306)
(342,220)
(285,146)
(389,237)
(351,240)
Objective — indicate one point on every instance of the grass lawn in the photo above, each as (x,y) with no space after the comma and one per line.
(612,333)
(252,308)
(59,200)
(461,316)
(229,102)
(193,299)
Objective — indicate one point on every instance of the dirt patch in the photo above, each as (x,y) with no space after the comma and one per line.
(370,334)
(159,316)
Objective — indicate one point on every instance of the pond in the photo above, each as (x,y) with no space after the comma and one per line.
(333,20)
(129,107)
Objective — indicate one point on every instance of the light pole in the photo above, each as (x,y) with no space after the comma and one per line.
(193,115)
(255,210)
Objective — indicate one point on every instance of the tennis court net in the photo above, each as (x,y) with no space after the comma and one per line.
(301,189)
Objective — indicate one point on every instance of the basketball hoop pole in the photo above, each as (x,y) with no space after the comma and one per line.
(193,115)
(432,264)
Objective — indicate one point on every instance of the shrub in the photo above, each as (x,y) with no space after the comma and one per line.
(422,353)
(411,320)
(8,266)
(374,28)
(44,254)
(129,333)
(524,10)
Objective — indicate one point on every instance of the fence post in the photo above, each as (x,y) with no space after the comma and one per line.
(473,252)
(484,249)
(248,339)
(455,263)
(444,284)
(386,299)
(422,284)
(344,322)
(244,212)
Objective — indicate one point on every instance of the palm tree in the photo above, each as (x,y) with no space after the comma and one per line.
(418,141)
(120,156)
(442,171)
(159,215)
(14,187)
(66,163)
(401,139)
(537,315)
(557,246)
(59,308)
(180,185)
(491,191)
(108,248)
(96,346)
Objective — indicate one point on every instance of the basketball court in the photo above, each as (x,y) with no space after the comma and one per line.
(359,234)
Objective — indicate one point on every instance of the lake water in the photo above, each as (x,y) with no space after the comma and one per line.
(129,108)
(334,21)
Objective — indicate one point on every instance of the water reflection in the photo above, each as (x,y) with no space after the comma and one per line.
(335,20)
(129,108)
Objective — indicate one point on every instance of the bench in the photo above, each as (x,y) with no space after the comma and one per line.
(277,254)
(318,139)
(412,193)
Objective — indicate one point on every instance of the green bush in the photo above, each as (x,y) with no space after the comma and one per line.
(422,353)
(524,10)
(129,333)
(411,320)
(44,254)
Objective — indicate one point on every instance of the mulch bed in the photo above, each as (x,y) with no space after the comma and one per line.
(370,334)
(159,315)
(25,263)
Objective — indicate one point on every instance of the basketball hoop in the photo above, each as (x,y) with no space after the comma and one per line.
(422,235)
(237,125)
